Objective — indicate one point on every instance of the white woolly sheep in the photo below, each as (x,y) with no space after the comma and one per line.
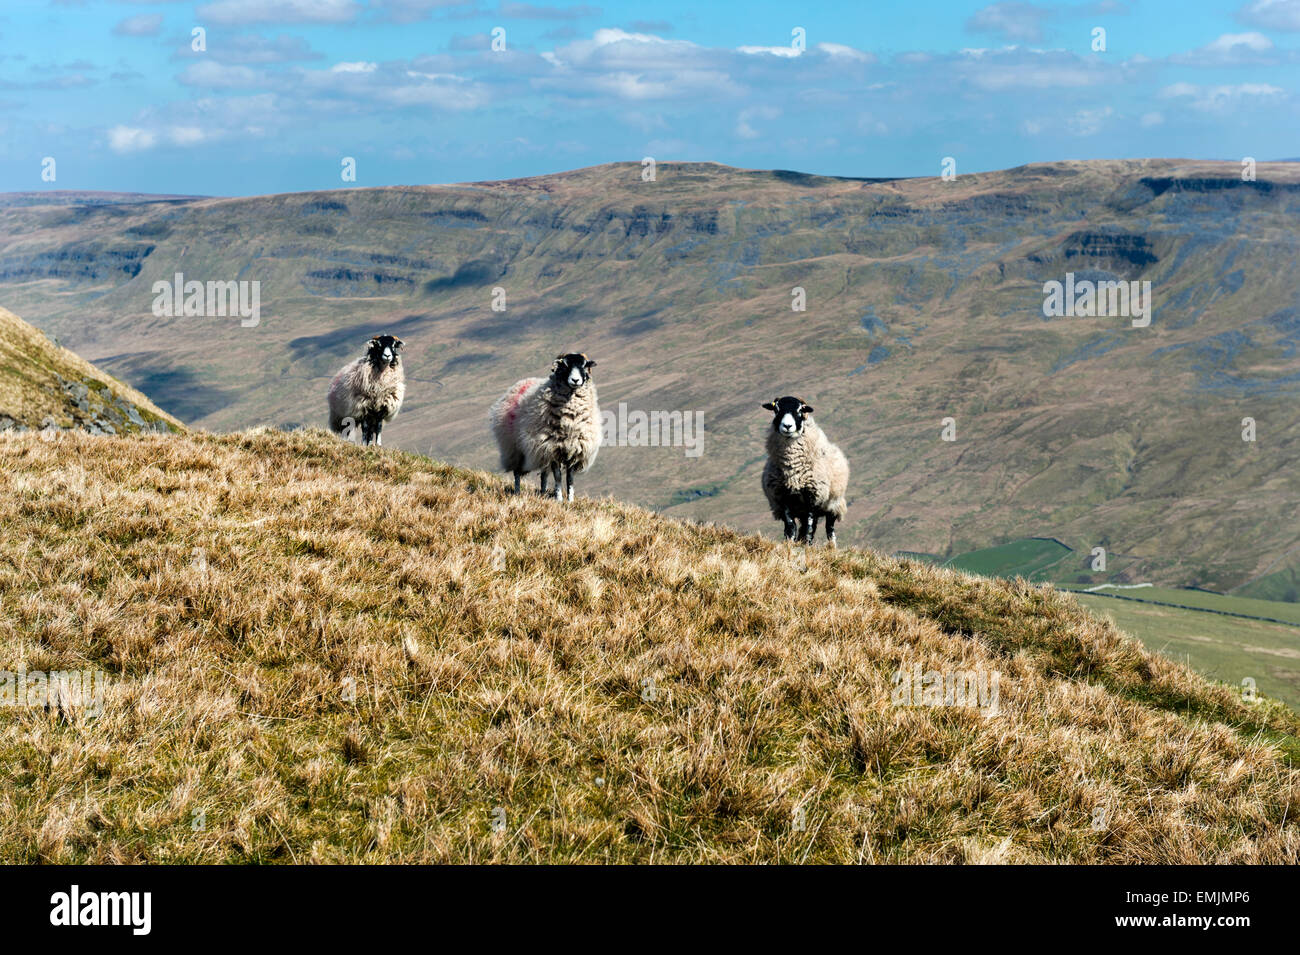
(550,423)
(806,475)
(368,392)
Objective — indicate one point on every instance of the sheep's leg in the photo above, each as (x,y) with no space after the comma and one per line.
(543,474)
(804,521)
(830,530)
(379,430)
(517,476)
(568,475)
(813,518)
(559,485)
(789,525)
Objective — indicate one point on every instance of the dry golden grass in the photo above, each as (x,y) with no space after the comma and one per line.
(370,652)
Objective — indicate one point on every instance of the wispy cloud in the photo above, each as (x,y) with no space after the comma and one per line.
(1271,14)
(250,49)
(129,139)
(1234,49)
(144,24)
(1012,22)
(1224,96)
(241,12)
(529,11)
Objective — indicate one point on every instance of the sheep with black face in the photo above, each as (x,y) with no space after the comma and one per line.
(368,392)
(806,476)
(549,424)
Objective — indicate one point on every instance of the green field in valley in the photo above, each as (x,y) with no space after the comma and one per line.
(1229,649)
(1030,558)
(1224,636)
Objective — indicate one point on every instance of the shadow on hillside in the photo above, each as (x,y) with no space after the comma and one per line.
(176,389)
(350,341)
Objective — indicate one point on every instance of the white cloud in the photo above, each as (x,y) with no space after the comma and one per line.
(144,24)
(186,135)
(218,76)
(1030,76)
(618,48)
(871,126)
(1231,49)
(1216,98)
(237,12)
(639,86)
(411,11)
(129,139)
(441,92)
(846,52)
(1251,41)
(1088,122)
(1272,14)
(1012,21)
(364,85)
(529,11)
(253,48)
(743,127)
(789,51)
(636,67)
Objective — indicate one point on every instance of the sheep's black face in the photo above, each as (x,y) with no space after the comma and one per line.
(788,415)
(382,350)
(572,370)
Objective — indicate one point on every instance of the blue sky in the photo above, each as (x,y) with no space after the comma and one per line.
(114,91)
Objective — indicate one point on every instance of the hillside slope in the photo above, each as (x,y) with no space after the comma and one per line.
(924,302)
(324,653)
(47,387)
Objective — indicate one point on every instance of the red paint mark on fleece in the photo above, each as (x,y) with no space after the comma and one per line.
(512,403)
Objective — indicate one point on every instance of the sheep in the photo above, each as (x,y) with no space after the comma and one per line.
(806,475)
(368,391)
(549,423)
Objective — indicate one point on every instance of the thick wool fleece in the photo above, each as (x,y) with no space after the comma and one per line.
(360,389)
(806,469)
(538,423)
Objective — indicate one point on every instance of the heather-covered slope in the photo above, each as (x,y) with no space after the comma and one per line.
(323,653)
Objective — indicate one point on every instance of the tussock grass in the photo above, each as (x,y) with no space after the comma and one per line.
(31,395)
(370,652)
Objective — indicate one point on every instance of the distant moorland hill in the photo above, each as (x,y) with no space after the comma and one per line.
(924,302)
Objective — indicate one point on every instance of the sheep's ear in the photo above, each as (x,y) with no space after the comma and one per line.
(590,364)
(806,409)
(372,343)
(398,343)
(769,405)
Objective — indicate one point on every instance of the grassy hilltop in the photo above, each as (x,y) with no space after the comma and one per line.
(327,653)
